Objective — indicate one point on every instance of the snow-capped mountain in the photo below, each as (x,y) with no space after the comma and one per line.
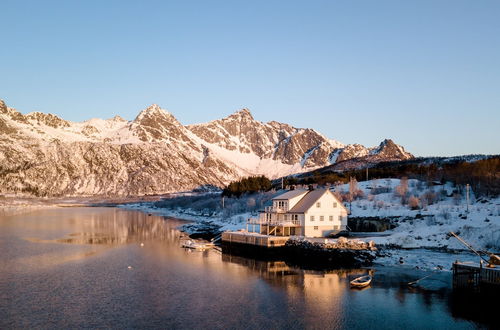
(45,155)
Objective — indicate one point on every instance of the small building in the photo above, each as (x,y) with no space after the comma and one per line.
(309,213)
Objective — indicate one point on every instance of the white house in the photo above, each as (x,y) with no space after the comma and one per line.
(310,213)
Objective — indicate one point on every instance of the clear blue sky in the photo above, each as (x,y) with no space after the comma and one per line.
(424,73)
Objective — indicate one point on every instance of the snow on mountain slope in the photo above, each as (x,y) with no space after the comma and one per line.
(46,156)
(43,154)
(273,148)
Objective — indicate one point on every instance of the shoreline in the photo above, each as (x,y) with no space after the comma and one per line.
(419,258)
(415,257)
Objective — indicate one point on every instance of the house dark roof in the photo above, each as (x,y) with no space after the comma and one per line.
(290,194)
(308,201)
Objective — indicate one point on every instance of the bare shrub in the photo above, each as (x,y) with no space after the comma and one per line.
(414,203)
(402,190)
(339,195)
(353,188)
(359,194)
(430,197)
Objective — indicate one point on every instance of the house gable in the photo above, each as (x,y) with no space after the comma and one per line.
(291,197)
(308,201)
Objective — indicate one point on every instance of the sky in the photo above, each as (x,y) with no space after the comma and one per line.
(423,73)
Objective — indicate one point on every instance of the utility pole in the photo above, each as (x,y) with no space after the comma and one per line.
(467,194)
(367,174)
(350,194)
(282,183)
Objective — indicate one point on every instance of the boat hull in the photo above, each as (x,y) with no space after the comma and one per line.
(361,282)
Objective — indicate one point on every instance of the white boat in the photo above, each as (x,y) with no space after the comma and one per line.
(361,281)
(200,246)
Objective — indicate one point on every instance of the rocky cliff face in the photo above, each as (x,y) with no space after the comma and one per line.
(273,141)
(44,155)
(356,156)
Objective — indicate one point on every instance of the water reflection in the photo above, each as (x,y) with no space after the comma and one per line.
(84,233)
(326,296)
(117,227)
(73,272)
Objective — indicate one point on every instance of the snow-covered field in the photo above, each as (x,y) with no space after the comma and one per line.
(429,225)
(421,237)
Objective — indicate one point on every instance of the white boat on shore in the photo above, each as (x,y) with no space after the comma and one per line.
(362,281)
(194,245)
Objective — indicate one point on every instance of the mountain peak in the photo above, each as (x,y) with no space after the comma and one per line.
(388,148)
(152,111)
(117,119)
(242,114)
(387,143)
(3,106)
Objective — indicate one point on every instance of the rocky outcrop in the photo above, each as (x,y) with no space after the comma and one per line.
(276,141)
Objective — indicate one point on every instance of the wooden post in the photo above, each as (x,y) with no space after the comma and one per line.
(467,190)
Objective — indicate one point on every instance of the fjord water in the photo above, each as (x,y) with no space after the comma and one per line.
(86,268)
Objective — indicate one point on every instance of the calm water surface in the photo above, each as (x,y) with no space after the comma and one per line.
(69,268)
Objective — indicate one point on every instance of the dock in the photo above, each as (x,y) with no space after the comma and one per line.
(309,252)
(475,277)
(256,239)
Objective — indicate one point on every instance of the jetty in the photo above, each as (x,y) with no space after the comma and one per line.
(299,249)
(256,239)
(476,277)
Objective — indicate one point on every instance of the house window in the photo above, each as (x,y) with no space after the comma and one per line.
(295,217)
(286,216)
(312,218)
(318,204)
(340,218)
(315,227)
(331,218)
(334,205)
(321,218)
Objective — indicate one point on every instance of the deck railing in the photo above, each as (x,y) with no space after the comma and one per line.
(273,222)
(272,209)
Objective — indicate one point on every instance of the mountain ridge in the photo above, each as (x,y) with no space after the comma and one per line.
(155,153)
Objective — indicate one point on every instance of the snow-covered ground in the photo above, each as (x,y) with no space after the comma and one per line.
(429,225)
(421,237)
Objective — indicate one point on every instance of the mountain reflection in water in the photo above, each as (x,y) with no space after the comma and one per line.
(86,268)
(132,228)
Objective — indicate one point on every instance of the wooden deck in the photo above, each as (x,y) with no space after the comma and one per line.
(243,237)
(475,276)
